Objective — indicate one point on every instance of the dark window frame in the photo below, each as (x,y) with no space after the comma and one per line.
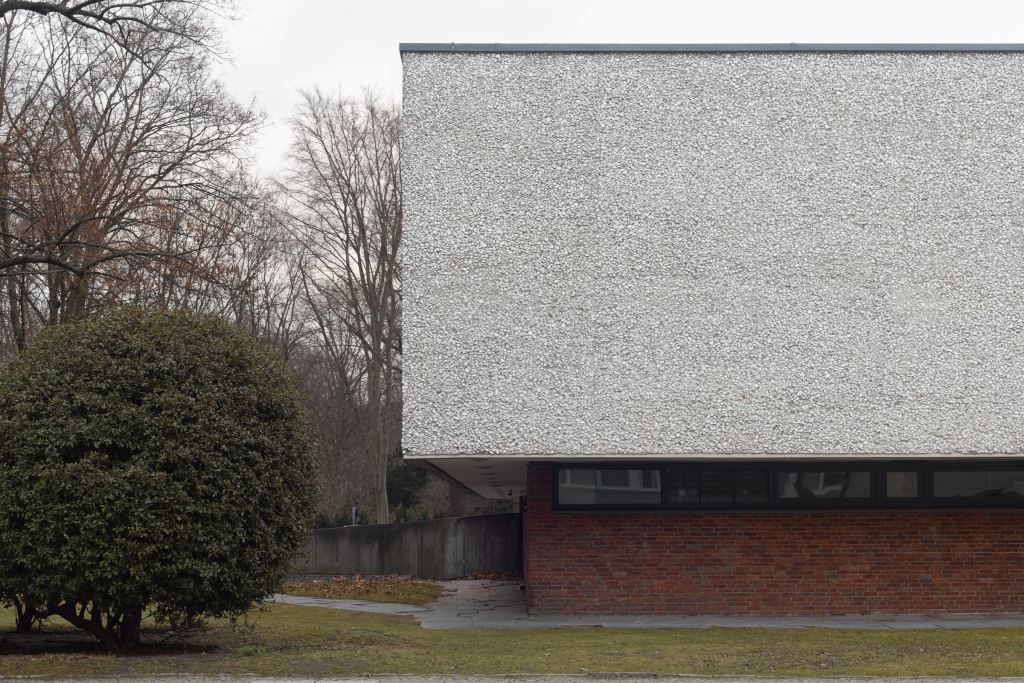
(803,467)
(613,466)
(923,498)
(976,502)
(877,470)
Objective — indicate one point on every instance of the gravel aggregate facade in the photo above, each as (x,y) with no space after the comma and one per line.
(794,253)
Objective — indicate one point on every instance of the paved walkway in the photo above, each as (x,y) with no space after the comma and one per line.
(501,605)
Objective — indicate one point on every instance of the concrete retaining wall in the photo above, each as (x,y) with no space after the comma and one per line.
(433,549)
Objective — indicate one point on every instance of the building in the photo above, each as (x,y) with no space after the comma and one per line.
(743,325)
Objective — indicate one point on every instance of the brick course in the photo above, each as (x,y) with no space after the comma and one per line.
(761,563)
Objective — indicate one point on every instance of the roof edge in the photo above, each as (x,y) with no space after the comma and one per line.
(716,457)
(708,47)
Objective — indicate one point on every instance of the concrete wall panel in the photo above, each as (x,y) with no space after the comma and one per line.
(713,253)
(432,549)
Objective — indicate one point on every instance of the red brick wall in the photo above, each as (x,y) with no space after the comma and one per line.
(842,562)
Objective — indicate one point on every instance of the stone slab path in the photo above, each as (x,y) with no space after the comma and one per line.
(501,605)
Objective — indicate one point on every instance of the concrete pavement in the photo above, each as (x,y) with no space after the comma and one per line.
(501,605)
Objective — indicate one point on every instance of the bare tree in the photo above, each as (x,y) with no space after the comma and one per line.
(123,20)
(115,157)
(344,187)
(122,180)
(19,97)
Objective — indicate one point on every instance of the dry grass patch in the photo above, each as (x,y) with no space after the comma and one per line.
(290,640)
(408,592)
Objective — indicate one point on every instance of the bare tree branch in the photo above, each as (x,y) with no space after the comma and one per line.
(123,20)
(344,187)
(110,158)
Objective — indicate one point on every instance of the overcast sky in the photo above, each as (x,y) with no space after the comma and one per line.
(281,46)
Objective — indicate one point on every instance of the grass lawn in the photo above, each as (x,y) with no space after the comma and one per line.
(407,592)
(302,641)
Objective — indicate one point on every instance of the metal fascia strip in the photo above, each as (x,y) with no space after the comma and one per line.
(715,457)
(710,47)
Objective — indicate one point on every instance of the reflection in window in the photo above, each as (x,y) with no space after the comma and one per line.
(901,484)
(977,484)
(751,486)
(680,486)
(718,487)
(805,485)
(832,484)
(592,486)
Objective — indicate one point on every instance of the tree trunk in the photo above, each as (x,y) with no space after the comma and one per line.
(76,307)
(377,444)
(26,615)
(379,459)
(130,628)
(53,298)
(13,298)
(121,632)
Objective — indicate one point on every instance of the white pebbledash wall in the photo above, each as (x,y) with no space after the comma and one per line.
(796,253)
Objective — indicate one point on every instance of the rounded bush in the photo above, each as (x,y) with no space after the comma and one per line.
(149,461)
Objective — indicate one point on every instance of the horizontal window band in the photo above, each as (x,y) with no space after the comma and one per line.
(808,485)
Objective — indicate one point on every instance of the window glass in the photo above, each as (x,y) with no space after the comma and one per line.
(733,486)
(824,484)
(680,486)
(593,486)
(901,484)
(977,484)
(716,486)
(807,485)
(751,486)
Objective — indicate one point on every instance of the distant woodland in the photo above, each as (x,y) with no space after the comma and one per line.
(126,180)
